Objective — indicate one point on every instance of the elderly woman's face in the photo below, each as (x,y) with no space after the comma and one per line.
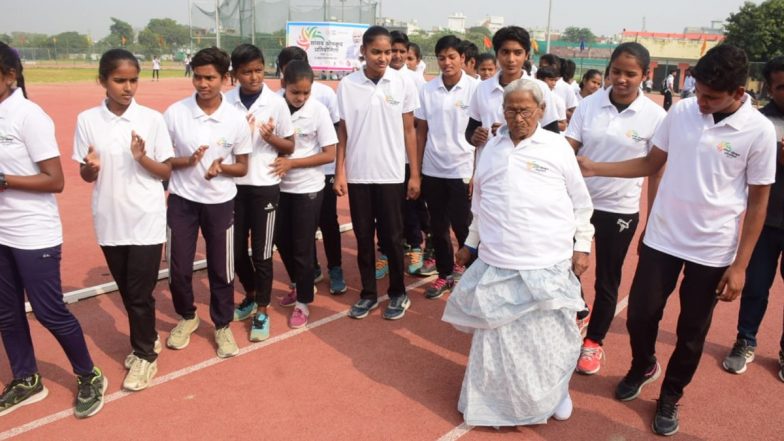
(522,114)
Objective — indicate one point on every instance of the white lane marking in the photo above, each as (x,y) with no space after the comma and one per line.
(41,422)
(459,431)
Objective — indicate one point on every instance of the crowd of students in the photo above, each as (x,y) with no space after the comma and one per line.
(529,173)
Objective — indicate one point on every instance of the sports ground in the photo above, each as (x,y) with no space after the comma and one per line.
(342,379)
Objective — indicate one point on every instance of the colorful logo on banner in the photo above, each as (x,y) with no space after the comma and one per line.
(307,35)
(725,148)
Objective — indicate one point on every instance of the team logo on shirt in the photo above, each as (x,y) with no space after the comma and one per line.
(222,142)
(725,148)
(536,167)
(391,100)
(300,132)
(6,139)
(634,136)
(459,104)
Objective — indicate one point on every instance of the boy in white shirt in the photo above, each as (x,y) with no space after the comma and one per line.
(416,219)
(371,168)
(211,142)
(721,155)
(258,192)
(448,158)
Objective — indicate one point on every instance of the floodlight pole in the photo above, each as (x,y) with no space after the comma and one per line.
(549,15)
(253,22)
(217,24)
(190,27)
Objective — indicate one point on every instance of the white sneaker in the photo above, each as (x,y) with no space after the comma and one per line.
(564,409)
(158,347)
(227,347)
(140,375)
(181,334)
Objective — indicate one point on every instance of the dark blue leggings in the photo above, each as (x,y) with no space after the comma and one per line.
(36,272)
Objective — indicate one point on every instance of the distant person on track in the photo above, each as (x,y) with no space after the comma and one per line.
(614,124)
(156,68)
(520,297)
(328,217)
(258,192)
(668,90)
(767,253)
(371,168)
(187,62)
(31,238)
(721,159)
(212,142)
(125,149)
(301,187)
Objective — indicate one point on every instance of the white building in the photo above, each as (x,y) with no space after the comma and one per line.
(456,22)
(493,23)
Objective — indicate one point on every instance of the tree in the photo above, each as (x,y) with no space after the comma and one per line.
(576,35)
(120,33)
(71,41)
(5,38)
(757,29)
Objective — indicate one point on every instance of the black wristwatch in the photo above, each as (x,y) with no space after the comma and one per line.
(3,182)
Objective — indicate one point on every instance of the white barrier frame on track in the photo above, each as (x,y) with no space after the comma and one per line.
(106,288)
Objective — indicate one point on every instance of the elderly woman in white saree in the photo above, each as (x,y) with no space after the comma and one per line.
(532,229)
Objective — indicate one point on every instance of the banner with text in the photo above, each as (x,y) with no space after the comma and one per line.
(330,46)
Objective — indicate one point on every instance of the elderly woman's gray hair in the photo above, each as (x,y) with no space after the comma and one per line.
(525,85)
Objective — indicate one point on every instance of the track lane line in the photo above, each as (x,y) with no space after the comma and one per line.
(49,419)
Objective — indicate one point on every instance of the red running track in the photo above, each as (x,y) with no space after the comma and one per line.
(343,379)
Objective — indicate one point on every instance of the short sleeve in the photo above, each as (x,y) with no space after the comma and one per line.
(38,130)
(575,128)
(761,165)
(325,130)
(661,137)
(242,143)
(411,97)
(421,112)
(283,126)
(331,101)
(81,141)
(340,101)
(474,112)
(160,141)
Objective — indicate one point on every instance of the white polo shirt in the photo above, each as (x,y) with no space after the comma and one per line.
(373,114)
(487,104)
(609,136)
(560,106)
(530,203)
(326,96)
(565,91)
(447,153)
(313,130)
(697,212)
(416,78)
(129,204)
(267,105)
(225,132)
(28,220)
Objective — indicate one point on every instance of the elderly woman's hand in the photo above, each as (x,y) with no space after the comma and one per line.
(580,262)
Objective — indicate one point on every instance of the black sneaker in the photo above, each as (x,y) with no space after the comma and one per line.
(21,392)
(396,308)
(630,387)
(362,308)
(781,365)
(89,393)
(742,353)
(665,422)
